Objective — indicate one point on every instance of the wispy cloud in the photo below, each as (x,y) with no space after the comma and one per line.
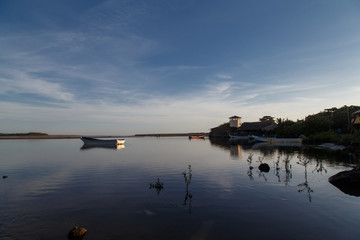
(224,76)
(23,83)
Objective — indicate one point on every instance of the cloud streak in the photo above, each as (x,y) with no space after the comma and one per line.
(22,83)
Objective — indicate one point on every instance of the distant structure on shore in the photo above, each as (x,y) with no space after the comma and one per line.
(355,122)
(235,126)
(235,121)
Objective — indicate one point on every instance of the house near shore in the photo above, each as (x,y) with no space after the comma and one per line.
(355,121)
(235,126)
(235,121)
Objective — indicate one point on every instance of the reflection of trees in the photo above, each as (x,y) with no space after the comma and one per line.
(277,168)
(158,186)
(249,172)
(261,174)
(327,156)
(304,187)
(287,165)
(188,195)
(319,166)
(288,174)
(267,150)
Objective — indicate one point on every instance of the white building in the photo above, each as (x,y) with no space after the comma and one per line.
(235,121)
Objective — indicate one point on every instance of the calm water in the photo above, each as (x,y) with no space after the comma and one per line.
(210,191)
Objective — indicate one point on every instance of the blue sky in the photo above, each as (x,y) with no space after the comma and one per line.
(126,67)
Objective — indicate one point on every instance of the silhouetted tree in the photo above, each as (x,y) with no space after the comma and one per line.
(266,119)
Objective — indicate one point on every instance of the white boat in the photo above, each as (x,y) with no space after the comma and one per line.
(277,140)
(102,142)
(332,146)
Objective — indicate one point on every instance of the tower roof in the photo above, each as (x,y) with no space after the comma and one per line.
(235,116)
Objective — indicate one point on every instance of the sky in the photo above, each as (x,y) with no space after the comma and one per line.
(151,66)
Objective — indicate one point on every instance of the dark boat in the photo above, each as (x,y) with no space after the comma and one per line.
(102,142)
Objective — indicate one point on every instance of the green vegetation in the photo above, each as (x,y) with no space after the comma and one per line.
(227,124)
(24,134)
(330,125)
(267,119)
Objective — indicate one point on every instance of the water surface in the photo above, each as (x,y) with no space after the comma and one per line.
(172,188)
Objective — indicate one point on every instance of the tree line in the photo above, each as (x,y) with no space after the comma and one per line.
(24,134)
(332,125)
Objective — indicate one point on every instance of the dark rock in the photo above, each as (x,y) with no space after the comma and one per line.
(5,177)
(347,181)
(264,167)
(77,233)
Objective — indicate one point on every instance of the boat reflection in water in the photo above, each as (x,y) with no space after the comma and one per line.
(113,147)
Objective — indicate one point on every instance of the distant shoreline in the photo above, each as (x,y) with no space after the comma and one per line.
(40,137)
(57,136)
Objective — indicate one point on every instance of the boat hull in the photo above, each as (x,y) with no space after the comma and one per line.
(102,142)
(196,137)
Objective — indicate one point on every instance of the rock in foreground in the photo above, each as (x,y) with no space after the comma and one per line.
(347,181)
(264,167)
(77,233)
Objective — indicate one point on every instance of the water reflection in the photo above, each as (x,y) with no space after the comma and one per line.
(158,186)
(263,167)
(236,147)
(115,147)
(305,154)
(38,197)
(235,150)
(319,166)
(277,169)
(188,195)
(288,173)
(249,172)
(304,187)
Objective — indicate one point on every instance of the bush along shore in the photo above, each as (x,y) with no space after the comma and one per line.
(333,125)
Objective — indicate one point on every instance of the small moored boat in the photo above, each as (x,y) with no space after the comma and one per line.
(277,140)
(102,142)
(196,137)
